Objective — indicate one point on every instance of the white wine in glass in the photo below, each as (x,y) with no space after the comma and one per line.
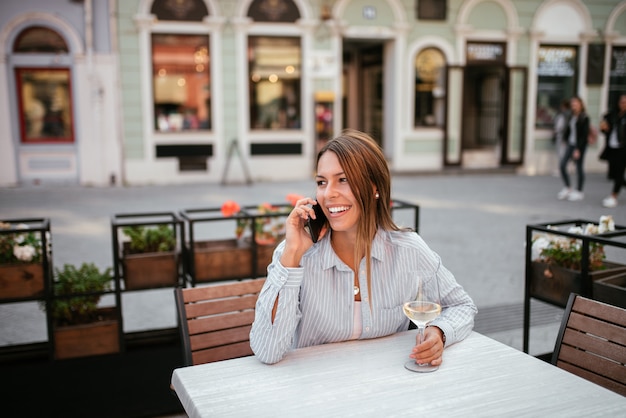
(421,311)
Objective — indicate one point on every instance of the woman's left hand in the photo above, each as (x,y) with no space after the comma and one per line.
(431,349)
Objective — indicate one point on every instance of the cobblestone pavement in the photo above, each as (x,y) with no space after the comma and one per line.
(476,222)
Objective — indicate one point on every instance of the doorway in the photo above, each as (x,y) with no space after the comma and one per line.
(363,92)
(484,111)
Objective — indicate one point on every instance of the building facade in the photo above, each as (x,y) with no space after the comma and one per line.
(175,91)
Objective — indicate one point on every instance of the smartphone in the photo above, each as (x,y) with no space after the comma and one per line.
(315,225)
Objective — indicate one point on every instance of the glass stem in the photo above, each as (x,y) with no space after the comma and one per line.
(420,335)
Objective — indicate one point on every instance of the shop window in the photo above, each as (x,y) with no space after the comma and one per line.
(181,82)
(38,39)
(44,104)
(557,75)
(617,75)
(430,91)
(274,65)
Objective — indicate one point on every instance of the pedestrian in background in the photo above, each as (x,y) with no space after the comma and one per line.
(576,135)
(558,128)
(613,126)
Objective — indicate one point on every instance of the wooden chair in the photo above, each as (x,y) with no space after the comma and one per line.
(215,320)
(592,342)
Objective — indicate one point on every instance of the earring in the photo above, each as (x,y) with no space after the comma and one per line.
(376,195)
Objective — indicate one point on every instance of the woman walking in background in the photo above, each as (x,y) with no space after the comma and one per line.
(613,125)
(575,134)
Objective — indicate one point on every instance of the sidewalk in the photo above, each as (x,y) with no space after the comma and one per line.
(476,222)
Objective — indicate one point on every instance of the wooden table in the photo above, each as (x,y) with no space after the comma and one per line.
(479,377)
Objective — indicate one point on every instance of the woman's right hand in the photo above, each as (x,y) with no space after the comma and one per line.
(297,238)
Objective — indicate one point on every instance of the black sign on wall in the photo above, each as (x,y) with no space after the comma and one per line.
(595,64)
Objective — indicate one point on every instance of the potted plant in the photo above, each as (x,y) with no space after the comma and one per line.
(21,256)
(224,259)
(556,261)
(80,327)
(149,257)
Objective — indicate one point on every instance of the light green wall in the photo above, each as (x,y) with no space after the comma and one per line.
(130,75)
(488,15)
(354,13)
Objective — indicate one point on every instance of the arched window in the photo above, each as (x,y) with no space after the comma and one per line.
(44,94)
(430,65)
(274,11)
(187,10)
(39,39)
(181,71)
(275,69)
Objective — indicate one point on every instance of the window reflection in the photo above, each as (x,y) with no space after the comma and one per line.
(557,73)
(181,82)
(429,88)
(44,96)
(274,65)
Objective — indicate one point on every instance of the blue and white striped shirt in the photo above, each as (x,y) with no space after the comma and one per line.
(317,299)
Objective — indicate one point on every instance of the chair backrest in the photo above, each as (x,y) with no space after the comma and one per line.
(592,342)
(215,320)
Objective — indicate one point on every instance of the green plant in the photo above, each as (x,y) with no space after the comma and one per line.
(87,282)
(566,252)
(150,240)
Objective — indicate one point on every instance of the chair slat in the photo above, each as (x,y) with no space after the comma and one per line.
(596,345)
(217,322)
(592,363)
(212,307)
(602,310)
(222,353)
(610,384)
(223,290)
(219,338)
(595,326)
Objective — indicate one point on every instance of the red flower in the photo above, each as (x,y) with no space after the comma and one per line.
(230,208)
(293,198)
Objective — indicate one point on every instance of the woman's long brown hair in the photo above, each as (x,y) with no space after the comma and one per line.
(367,172)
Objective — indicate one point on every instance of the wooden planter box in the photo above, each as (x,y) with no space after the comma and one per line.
(21,280)
(611,290)
(229,259)
(94,339)
(150,270)
(554,284)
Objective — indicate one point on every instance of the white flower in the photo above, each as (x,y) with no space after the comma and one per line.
(24,252)
(591,229)
(575,230)
(606,224)
(539,245)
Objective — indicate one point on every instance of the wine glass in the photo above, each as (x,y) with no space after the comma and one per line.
(423,309)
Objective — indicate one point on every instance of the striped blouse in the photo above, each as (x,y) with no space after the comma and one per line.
(317,299)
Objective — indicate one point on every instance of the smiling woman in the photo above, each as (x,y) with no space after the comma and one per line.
(360,261)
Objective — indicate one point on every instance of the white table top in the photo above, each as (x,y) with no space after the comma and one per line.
(478,377)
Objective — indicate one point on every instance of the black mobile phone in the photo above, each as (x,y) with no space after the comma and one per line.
(315,225)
